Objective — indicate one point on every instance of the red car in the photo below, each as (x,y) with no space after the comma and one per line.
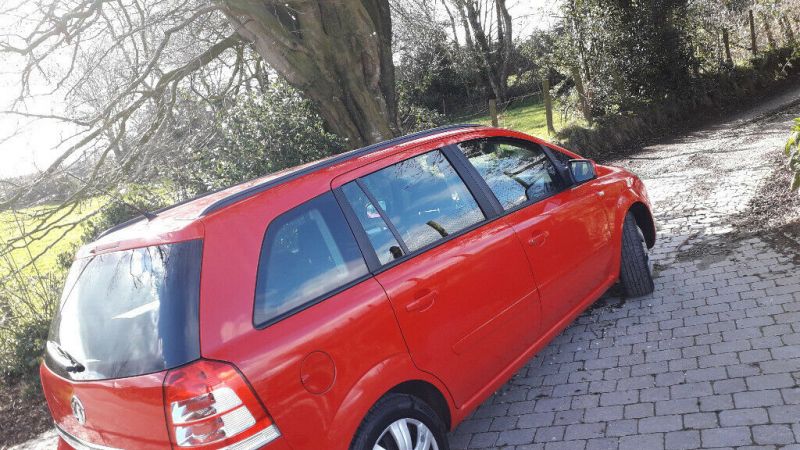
(368,301)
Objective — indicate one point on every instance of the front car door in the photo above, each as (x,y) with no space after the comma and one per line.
(564,228)
(460,285)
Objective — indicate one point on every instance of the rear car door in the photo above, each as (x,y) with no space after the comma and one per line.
(460,286)
(564,228)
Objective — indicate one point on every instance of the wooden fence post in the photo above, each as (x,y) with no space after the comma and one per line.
(585,108)
(493,112)
(727,42)
(548,105)
(753,46)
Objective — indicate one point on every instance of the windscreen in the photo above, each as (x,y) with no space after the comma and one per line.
(128,313)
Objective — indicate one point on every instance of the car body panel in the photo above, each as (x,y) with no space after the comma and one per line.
(120,413)
(567,239)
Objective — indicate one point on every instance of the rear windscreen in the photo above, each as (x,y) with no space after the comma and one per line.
(128,313)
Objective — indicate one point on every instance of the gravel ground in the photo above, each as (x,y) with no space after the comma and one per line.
(712,358)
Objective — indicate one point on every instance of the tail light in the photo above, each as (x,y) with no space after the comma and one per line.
(209,405)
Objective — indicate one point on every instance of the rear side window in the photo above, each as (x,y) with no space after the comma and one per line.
(128,313)
(380,236)
(308,254)
(516,174)
(424,199)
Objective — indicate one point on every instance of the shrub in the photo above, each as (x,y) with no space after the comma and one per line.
(27,303)
(793,152)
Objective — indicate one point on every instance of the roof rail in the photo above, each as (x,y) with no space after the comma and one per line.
(253,190)
(241,195)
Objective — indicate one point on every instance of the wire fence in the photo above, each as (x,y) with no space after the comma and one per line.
(476,110)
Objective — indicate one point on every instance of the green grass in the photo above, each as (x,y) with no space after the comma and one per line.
(60,239)
(526,116)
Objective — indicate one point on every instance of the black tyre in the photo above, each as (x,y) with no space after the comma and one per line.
(635,274)
(401,422)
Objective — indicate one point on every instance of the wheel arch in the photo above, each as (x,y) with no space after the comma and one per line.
(428,393)
(396,374)
(644,219)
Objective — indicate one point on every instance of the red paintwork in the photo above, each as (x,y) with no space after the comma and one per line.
(497,295)
(124,413)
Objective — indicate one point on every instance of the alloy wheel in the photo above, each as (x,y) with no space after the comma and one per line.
(406,434)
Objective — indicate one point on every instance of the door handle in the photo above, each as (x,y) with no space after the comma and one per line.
(601,193)
(422,302)
(538,238)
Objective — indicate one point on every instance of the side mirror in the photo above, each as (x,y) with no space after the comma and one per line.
(582,170)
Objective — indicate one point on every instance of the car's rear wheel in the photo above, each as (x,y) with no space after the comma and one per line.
(401,422)
(635,273)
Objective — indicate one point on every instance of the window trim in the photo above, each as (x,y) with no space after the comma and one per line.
(320,298)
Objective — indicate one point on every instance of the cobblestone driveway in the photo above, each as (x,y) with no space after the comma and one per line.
(711,359)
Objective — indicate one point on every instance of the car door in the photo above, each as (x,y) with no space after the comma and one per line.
(460,285)
(564,229)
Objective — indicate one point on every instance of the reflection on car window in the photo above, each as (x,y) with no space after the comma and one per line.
(515,174)
(561,158)
(424,198)
(131,312)
(308,252)
(381,238)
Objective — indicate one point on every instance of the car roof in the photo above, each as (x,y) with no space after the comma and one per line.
(182,221)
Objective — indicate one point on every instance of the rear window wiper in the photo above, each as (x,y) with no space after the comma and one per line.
(66,360)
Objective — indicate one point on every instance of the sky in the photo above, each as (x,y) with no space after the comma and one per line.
(29,146)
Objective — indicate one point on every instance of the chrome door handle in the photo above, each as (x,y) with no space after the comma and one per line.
(601,193)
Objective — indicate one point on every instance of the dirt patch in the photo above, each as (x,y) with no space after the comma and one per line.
(23,414)
(773,215)
(774,206)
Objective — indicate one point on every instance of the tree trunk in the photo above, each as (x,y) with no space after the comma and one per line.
(484,50)
(584,100)
(727,42)
(452,22)
(465,25)
(337,53)
(787,29)
(548,105)
(507,47)
(768,31)
(753,46)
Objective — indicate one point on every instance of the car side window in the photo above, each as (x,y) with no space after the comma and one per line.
(515,173)
(424,198)
(380,236)
(308,253)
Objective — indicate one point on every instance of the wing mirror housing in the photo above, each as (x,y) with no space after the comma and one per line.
(582,170)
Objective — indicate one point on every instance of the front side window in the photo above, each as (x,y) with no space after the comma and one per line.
(308,253)
(424,199)
(516,174)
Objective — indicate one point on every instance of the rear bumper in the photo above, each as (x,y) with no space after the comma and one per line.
(78,444)
(67,441)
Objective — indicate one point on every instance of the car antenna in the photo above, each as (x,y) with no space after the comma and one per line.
(147,214)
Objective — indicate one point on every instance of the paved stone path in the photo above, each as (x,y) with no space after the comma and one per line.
(710,360)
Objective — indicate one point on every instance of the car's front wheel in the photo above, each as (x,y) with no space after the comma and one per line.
(401,422)
(635,274)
